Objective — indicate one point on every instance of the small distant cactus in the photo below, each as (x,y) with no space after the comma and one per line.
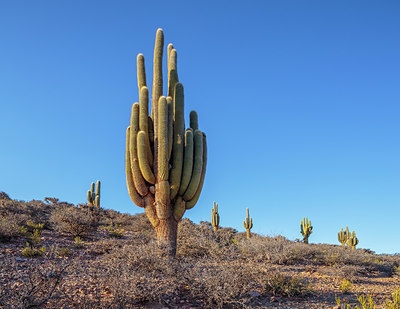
(352,240)
(248,224)
(215,216)
(342,236)
(93,196)
(305,229)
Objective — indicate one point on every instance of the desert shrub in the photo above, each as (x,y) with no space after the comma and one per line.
(64,251)
(104,246)
(135,223)
(138,274)
(276,250)
(36,211)
(280,284)
(197,240)
(74,221)
(36,286)
(345,287)
(114,231)
(78,242)
(4,196)
(223,285)
(30,252)
(349,272)
(11,226)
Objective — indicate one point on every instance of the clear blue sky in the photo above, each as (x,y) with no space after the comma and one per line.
(300,101)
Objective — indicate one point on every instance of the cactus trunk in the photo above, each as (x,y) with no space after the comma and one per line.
(167,232)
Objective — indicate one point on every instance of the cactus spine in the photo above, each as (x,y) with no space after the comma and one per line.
(215,216)
(93,195)
(352,240)
(165,164)
(248,224)
(342,236)
(305,229)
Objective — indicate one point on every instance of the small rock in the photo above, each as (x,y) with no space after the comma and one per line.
(254,294)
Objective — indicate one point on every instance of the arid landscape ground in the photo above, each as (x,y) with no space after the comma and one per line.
(57,255)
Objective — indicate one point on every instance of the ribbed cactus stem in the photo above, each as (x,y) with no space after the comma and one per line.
(190,204)
(187,161)
(197,166)
(178,143)
(144,120)
(194,123)
(141,72)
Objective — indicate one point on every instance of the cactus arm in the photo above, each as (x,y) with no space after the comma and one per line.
(157,74)
(197,166)
(141,72)
(177,148)
(143,157)
(89,197)
(170,103)
(138,179)
(187,161)
(157,91)
(135,197)
(98,188)
(150,210)
(144,121)
(172,69)
(190,204)
(97,202)
(179,208)
(151,130)
(162,139)
(194,122)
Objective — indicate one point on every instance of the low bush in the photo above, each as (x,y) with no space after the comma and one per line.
(74,221)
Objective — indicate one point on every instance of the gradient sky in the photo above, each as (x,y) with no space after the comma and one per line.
(299,101)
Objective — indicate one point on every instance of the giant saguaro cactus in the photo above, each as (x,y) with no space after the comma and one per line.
(165,164)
